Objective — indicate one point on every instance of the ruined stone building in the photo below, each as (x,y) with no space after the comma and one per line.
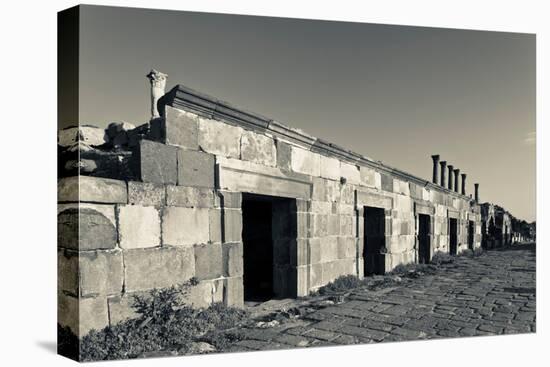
(500,228)
(251,208)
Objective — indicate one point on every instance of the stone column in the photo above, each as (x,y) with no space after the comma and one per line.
(463,184)
(450,168)
(436,168)
(457,173)
(443,169)
(158,85)
(476,195)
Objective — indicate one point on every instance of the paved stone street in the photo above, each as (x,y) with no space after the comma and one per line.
(488,295)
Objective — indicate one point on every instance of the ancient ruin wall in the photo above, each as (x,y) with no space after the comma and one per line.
(178,215)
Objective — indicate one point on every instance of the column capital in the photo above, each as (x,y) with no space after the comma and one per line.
(158,86)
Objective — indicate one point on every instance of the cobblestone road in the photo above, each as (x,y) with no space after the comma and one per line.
(488,295)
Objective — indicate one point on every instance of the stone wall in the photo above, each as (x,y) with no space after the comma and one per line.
(497,227)
(177,213)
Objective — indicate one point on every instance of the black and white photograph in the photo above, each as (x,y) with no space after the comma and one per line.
(234,184)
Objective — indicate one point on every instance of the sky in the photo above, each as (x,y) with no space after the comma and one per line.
(393,93)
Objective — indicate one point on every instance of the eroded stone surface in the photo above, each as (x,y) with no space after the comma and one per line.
(139,226)
(197,197)
(195,169)
(208,261)
(156,162)
(330,168)
(100,273)
(146,194)
(304,161)
(91,189)
(185,226)
(219,138)
(258,148)
(85,229)
(158,267)
(181,128)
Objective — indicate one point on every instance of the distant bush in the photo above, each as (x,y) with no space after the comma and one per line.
(164,323)
(441,258)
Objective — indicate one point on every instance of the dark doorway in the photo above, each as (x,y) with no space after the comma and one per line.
(269,234)
(424,248)
(375,241)
(471,232)
(453,236)
(484,235)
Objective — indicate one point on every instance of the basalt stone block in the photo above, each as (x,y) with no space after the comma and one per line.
(158,267)
(139,226)
(367,176)
(85,229)
(208,261)
(67,272)
(91,189)
(320,225)
(220,138)
(350,172)
(232,225)
(156,162)
(82,315)
(284,156)
(333,192)
(386,182)
(347,194)
(89,135)
(330,168)
(258,148)
(319,191)
(231,199)
(67,312)
(195,169)
(315,250)
(93,314)
(232,259)
(121,308)
(101,273)
(299,252)
(316,275)
(346,247)
(185,226)
(205,293)
(333,225)
(234,292)
(197,197)
(215,225)
(146,194)
(304,161)
(346,225)
(329,249)
(180,128)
